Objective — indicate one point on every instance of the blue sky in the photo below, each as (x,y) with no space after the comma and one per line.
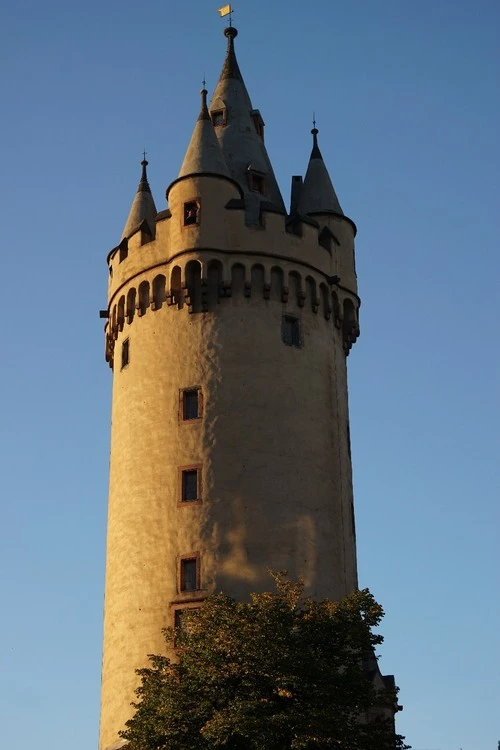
(406,99)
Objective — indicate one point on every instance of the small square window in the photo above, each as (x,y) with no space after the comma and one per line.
(125,353)
(191,213)
(179,619)
(290,331)
(189,574)
(218,118)
(191,404)
(256,182)
(190,490)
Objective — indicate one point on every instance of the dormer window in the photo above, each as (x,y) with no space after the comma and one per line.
(191,213)
(218,118)
(258,122)
(123,250)
(256,181)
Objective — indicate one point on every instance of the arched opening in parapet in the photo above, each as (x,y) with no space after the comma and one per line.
(114,328)
(143,297)
(121,313)
(325,301)
(335,307)
(131,305)
(350,322)
(312,295)
(238,279)
(159,292)
(176,287)
(193,284)
(276,283)
(295,286)
(214,281)
(257,280)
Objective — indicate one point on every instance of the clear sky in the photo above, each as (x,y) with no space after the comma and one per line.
(407,104)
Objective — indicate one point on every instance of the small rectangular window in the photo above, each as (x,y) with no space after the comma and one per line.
(218,118)
(256,182)
(125,353)
(191,213)
(123,251)
(189,574)
(291,331)
(178,616)
(191,404)
(190,490)
(179,619)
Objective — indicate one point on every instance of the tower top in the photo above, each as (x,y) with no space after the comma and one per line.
(317,194)
(143,206)
(240,131)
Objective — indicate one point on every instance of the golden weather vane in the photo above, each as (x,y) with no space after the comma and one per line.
(227,10)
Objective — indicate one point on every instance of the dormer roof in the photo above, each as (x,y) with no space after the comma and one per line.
(143,206)
(204,154)
(239,129)
(317,194)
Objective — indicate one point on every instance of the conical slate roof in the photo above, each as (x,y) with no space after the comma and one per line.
(143,205)
(204,153)
(242,146)
(317,194)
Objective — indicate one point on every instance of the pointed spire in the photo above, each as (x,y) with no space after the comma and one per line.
(317,194)
(143,205)
(242,145)
(204,153)
(231,69)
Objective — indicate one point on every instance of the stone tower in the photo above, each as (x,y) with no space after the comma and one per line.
(229,322)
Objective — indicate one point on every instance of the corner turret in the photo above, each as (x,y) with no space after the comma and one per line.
(317,195)
(204,155)
(240,131)
(143,207)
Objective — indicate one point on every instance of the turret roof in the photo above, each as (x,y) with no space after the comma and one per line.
(204,153)
(317,194)
(242,145)
(143,205)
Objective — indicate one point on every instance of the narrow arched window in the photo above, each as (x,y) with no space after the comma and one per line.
(159,294)
(193,284)
(143,297)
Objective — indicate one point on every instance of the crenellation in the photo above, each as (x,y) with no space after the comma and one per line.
(203,294)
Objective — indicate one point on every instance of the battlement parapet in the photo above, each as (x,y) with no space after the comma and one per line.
(198,283)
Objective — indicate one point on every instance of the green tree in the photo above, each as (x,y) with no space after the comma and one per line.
(281,671)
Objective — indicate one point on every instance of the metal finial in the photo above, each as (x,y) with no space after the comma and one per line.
(144,155)
(204,83)
(314,120)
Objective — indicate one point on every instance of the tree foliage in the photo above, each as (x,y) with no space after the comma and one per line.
(281,671)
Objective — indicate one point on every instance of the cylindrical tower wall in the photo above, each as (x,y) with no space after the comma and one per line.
(271,448)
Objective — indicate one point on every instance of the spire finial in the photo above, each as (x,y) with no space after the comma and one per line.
(316,153)
(204,113)
(144,184)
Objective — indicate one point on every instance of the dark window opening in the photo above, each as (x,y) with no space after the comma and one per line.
(191,213)
(256,182)
(258,124)
(291,331)
(125,353)
(218,118)
(191,404)
(179,617)
(189,574)
(189,485)
(123,252)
